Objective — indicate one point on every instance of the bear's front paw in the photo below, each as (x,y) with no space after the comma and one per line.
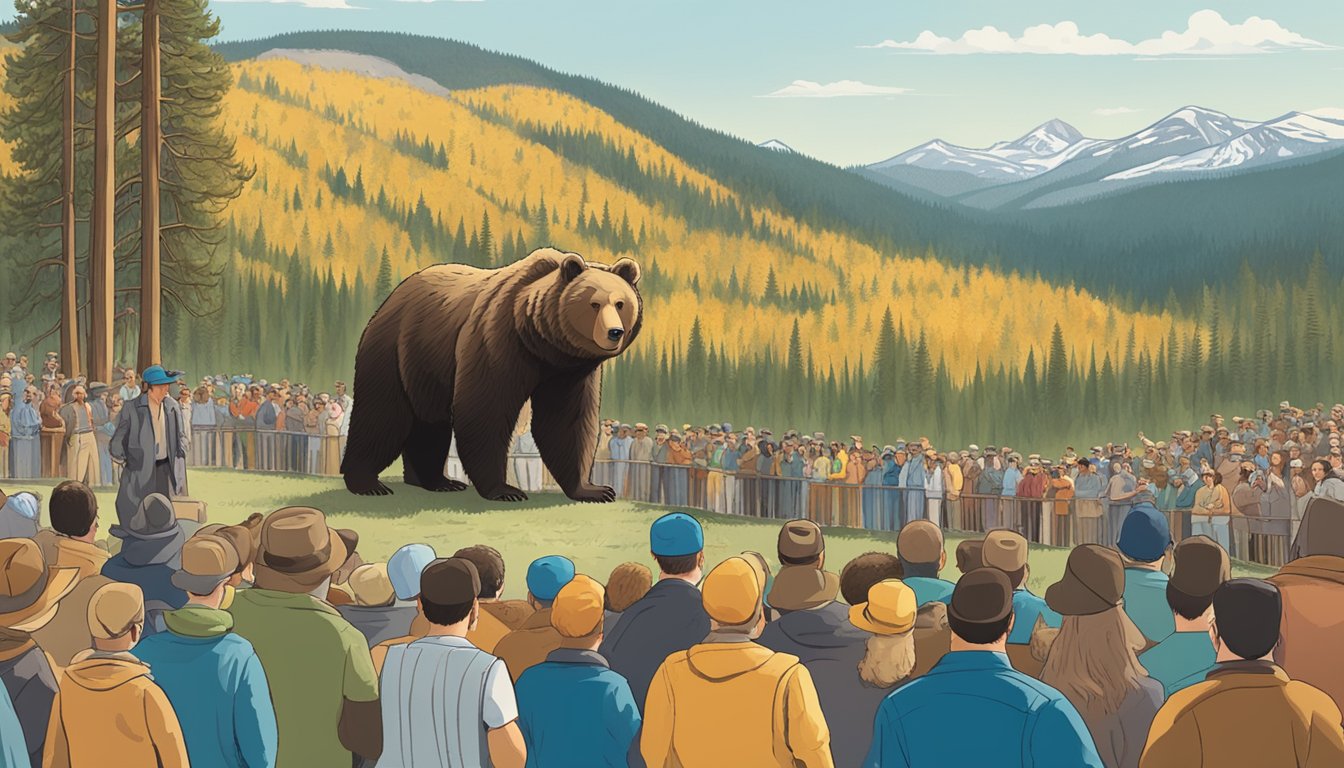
(369,487)
(593,494)
(442,485)
(505,493)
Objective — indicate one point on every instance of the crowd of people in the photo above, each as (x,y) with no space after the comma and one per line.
(272,642)
(1244,482)
(57,427)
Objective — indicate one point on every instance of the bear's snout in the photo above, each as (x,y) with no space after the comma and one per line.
(615,334)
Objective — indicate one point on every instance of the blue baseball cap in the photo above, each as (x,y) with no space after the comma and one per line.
(155,374)
(1145,534)
(676,534)
(404,567)
(546,575)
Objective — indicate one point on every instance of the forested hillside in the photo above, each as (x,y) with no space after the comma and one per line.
(763,303)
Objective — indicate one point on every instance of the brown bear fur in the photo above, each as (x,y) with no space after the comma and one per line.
(458,350)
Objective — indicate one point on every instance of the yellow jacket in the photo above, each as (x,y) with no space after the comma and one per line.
(844,467)
(955,481)
(68,632)
(734,703)
(107,708)
(1290,722)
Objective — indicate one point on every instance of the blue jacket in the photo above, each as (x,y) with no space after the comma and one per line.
(1016,721)
(573,710)
(669,618)
(1180,661)
(930,590)
(1026,607)
(217,687)
(13,748)
(1146,603)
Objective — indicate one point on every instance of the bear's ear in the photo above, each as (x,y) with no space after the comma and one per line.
(572,266)
(627,269)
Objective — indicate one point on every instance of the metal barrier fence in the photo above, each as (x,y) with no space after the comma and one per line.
(1050,521)
(265,450)
(1056,522)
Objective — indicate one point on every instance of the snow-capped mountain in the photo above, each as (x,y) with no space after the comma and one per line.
(1045,147)
(776,145)
(1054,164)
(1295,135)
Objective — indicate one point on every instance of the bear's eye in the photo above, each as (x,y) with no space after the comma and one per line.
(596,305)
(620,305)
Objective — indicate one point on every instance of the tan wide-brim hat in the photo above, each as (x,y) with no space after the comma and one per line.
(298,550)
(29,589)
(800,587)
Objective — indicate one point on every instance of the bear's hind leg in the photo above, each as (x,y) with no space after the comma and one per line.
(381,423)
(425,454)
(378,429)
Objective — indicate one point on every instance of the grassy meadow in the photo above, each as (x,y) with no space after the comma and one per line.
(595,537)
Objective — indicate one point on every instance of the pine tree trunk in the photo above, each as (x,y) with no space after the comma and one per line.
(151,141)
(70,362)
(102,267)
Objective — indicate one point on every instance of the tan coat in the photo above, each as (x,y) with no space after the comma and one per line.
(529,645)
(496,620)
(1313,626)
(108,711)
(933,638)
(1246,713)
(68,632)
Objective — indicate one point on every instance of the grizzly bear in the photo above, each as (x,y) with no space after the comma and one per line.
(458,350)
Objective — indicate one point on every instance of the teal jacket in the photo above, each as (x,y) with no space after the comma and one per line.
(573,710)
(1026,607)
(930,590)
(215,682)
(13,749)
(1146,603)
(1180,661)
(1017,721)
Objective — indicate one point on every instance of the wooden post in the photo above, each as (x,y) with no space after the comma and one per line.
(102,272)
(151,144)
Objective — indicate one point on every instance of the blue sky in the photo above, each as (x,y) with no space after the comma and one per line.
(908,70)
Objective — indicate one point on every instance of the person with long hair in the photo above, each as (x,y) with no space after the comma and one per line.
(1093,660)
(1246,503)
(1276,510)
(1213,506)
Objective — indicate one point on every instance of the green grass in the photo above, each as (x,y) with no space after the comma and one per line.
(597,537)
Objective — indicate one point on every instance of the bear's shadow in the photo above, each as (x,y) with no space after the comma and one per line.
(409,500)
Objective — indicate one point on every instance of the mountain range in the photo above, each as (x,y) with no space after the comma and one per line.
(1056,165)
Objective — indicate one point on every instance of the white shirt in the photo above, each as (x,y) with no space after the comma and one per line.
(156,416)
(433,690)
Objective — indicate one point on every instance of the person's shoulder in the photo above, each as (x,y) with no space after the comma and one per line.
(1311,700)
(1191,695)
(233,644)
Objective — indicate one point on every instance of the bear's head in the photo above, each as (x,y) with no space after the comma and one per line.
(600,308)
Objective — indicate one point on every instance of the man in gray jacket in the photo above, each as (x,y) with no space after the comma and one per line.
(150,444)
(815,627)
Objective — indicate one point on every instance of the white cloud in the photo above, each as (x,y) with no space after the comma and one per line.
(806,89)
(1112,111)
(335,5)
(338,5)
(1206,33)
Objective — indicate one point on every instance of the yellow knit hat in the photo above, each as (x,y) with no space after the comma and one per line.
(578,607)
(733,591)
